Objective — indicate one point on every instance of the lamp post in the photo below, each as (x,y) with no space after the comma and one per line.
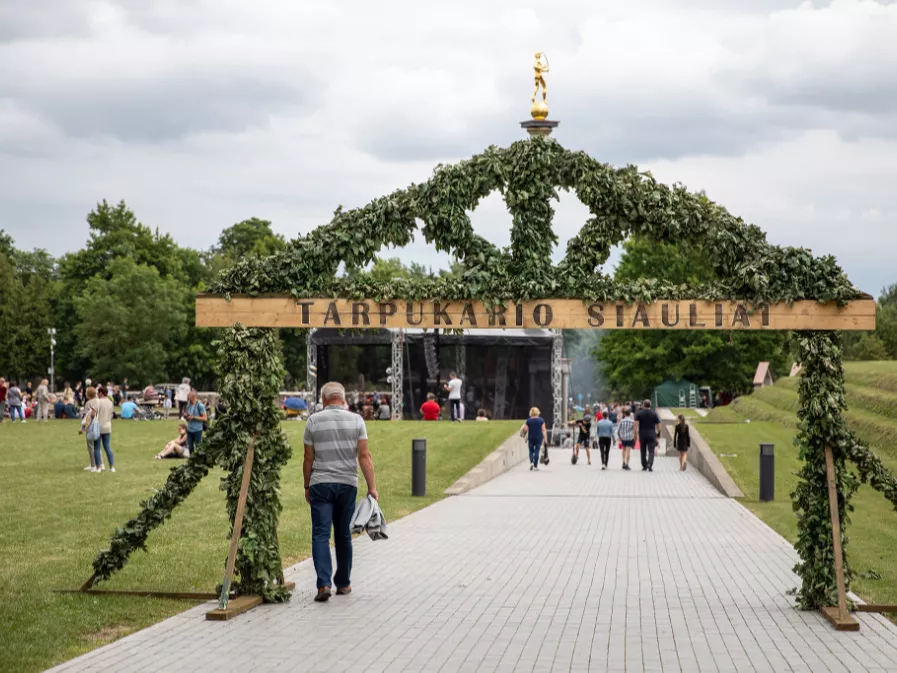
(52,332)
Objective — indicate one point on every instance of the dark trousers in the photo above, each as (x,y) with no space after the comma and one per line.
(647,446)
(332,505)
(604,447)
(193,440)
(182,408)
(456,409)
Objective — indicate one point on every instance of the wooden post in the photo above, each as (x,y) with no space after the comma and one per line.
(238,527)
(840,618)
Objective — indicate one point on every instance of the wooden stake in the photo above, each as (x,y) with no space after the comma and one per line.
(238,526)
(841,619)
(184,595)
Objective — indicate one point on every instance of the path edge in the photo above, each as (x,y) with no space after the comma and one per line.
(701,456)
(511,453)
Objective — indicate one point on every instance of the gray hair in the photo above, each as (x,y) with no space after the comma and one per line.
(333,389)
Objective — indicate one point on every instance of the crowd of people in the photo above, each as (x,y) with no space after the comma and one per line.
(21,401)
(630,426)
(95,407)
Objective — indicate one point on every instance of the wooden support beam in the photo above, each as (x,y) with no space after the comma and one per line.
(282,311)
(845,623)
(184,595)
(839,617)
(237,529)
(233,608)
(875,607)
(239,605)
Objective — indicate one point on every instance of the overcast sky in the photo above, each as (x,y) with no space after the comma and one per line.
(201,113)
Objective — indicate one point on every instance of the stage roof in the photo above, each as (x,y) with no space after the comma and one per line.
(480,337)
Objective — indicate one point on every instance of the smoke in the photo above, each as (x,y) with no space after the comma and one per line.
(585,374)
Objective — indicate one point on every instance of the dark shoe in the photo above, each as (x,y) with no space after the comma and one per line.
(323,595)
(344,591)
(650,469)
(644,469)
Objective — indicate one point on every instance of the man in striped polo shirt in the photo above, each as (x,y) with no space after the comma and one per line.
(336,445)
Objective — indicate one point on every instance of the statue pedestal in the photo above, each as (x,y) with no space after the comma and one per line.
(539,127)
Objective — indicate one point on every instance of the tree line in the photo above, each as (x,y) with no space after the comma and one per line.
(123,307)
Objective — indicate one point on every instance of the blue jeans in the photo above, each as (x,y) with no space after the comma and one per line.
(332,505)
(193,440)
(534,452)
(107,446)
(16,408)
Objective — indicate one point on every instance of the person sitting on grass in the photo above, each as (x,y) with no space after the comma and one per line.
(481,415)
(129,410)
(176,448)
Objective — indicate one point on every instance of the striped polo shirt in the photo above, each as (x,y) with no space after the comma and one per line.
(627,429)
(335,432)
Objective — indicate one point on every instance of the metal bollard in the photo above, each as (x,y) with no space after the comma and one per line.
(419,467)
(767,472)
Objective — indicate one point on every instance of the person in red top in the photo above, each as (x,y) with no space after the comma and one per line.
(3,390)
(430,409)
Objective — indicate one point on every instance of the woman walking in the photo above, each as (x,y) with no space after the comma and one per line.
(605,437)
(682,441)
(535,436)
(102,407)
(585,426)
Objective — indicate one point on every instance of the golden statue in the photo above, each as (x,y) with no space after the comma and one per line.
(540,110)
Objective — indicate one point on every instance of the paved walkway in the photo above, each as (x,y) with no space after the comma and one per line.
(566,569)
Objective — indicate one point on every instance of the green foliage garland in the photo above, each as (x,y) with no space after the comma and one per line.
(622,202)
(252,372)
(822,424)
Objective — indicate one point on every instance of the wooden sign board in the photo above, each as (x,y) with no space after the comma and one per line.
(216,311)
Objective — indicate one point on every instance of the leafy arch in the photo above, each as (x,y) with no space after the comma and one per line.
(528,174)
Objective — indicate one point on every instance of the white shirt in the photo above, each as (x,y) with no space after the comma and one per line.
(182,393)
(454,389)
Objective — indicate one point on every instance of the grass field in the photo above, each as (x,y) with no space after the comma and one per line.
(872,396)
(685,411)
(54,517)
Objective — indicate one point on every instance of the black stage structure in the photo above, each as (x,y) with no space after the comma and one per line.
(505,371)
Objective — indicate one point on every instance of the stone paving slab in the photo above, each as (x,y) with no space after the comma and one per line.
(565,569)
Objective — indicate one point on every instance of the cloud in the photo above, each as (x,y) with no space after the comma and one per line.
(200,113)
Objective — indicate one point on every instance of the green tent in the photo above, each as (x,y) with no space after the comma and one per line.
(675,394)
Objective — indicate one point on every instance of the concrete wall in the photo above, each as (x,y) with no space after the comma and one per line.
(511,453)
(701,457)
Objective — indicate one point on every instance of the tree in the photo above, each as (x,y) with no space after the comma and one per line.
(249,238)
(127,324)
(634,362)
(869,347)
(27,293)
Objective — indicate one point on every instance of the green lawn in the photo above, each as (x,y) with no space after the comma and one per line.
(873,524)
(54,517)
(685,411)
